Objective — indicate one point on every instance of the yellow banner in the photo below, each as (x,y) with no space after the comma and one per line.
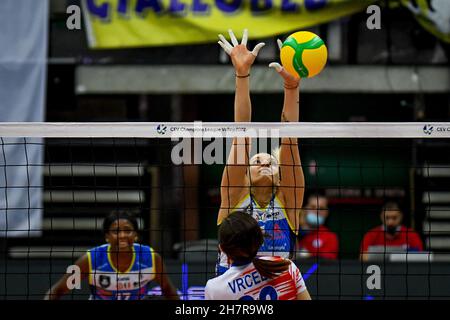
(433,15)
(140,23)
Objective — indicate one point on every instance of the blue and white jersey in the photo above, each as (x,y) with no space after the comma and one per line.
(108,283)
(275,224)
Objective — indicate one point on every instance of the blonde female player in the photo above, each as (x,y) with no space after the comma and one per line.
(267,188)
(251,277)
(120,269)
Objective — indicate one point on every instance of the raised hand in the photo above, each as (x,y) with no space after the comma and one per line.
(241,57)
(290,82)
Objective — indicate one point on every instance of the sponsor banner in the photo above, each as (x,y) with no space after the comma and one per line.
(138,23)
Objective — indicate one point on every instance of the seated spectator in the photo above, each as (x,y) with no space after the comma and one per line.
(391,236)
(316,240)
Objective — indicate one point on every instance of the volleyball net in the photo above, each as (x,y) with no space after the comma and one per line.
(58,182)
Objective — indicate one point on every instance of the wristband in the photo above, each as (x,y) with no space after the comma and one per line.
(290,87)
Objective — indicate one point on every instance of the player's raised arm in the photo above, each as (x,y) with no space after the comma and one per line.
(292,182)
(60,288)
(234,178)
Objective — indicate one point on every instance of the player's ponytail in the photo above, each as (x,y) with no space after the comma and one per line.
(270,268)
(240,237)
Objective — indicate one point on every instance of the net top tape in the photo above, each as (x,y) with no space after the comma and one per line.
(225,129)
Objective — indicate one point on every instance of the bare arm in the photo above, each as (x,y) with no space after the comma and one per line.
(304,296)
(163,280)
(292,184)
(234,175)
(60,288)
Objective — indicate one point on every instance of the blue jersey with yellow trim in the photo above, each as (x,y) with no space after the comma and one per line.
(274,222)
(108,283)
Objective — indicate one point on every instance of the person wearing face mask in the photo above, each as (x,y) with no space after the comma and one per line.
(391,234)
(316,240)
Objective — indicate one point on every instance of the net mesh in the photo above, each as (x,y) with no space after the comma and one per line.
(57,191)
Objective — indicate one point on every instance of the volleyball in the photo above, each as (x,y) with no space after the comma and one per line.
(303,54)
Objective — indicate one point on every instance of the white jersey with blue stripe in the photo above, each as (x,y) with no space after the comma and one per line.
(274,222)
(108,283)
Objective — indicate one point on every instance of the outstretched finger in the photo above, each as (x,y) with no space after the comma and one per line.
(244,37)
(283,72)
(286,75)
(224,47)
(233,38)
(257,48)
(276,66)
(279,68)
(280,44)
(225,42)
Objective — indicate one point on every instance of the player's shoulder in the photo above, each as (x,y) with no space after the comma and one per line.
(241,202)
(97,255)
(294,272)
(225,277)
(280,198)
(243,199)
(211,282)
(100,248)
(145,252)
(293,266)
(142,247)
(214,283)
(210,288)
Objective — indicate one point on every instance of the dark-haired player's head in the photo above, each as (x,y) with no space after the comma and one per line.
(121,230)
(240,237)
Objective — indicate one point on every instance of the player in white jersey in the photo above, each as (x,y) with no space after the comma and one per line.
(269,188)
(120,269)
(253,277)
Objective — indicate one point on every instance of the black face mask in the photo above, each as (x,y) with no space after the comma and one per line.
(391,230)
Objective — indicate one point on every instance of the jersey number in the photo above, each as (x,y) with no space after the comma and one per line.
(267,293)
(123,296)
